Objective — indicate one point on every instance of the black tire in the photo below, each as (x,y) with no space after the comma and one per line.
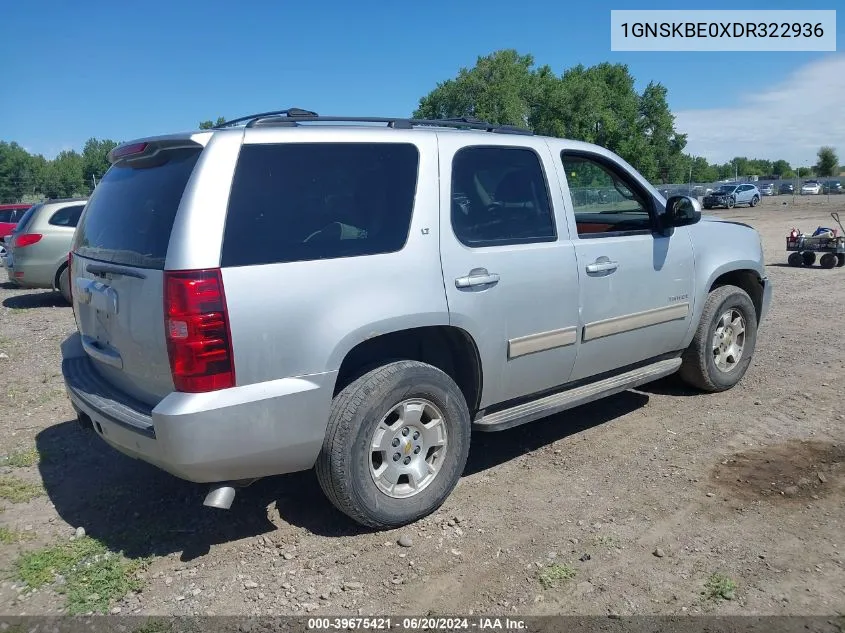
(699,368)
(808,257)
(754,201)
(63,284)
(840,260)
(828,260)
(795,259)
(343,466)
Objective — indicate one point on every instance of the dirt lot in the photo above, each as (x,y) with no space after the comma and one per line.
(655,501)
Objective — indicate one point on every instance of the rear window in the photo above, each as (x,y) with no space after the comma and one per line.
(130,215)
(24,222)
(68,216)
(306,201)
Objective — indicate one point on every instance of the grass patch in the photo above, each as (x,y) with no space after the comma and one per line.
(605,540)
(554,574)
(21,459)
(7,536)
(93,576)
(154,625)
(17,490)
(719,587)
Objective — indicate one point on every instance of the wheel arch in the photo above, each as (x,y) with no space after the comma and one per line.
(449,348)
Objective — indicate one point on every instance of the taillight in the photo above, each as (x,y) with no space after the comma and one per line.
(70,278)
(26,239)
(197,328)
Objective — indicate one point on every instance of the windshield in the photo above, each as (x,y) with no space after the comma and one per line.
(726,188)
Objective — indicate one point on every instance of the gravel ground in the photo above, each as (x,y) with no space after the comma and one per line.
(626,506)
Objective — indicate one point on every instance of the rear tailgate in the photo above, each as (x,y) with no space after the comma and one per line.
(117,269)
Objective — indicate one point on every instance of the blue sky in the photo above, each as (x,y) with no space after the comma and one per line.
(126,69)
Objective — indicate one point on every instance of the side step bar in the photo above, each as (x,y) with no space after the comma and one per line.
(557,402)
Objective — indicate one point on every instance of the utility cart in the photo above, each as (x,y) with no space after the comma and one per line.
(829,242)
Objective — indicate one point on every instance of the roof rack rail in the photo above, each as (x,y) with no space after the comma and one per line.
(293,116)
(290,112)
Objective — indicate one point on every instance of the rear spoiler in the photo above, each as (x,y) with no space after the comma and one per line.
(149,147)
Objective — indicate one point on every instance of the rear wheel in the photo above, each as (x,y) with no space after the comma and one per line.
(809,258)
(396,444)
(795,259)
(840,260)
(754,201)
(828,260)
(724,342)
(64,284)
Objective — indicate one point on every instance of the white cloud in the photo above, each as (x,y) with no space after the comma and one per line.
(791,120)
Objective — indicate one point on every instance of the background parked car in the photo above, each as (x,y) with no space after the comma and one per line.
(811,188)
(832,186)
(768,189)
(38,247)
(787,187)
(729,196)
(10,215)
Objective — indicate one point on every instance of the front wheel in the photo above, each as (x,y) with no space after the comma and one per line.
(731,203)
(724,342)
(396,444)
(840,260)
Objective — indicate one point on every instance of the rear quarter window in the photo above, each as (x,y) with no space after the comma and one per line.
(67,216)
(130,215)
(308,201)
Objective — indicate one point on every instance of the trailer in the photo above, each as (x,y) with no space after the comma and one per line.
(828,242)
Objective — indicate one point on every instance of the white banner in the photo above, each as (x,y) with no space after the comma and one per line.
(710,30)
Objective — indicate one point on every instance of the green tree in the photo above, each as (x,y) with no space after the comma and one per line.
(95,160)
(828,161)
(63,176)
(207,125)
(803,172)
(781,168)
(18,172)
(500,89)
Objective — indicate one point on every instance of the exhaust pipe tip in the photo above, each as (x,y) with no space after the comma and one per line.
(220,496)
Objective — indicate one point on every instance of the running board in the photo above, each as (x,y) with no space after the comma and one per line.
(557,402)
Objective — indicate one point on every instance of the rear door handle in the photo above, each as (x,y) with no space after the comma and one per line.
(477,277)
(605,266)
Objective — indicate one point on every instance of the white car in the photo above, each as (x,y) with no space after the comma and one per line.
(811,187)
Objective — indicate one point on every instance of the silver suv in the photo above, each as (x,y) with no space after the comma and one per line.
(290,291)
(37,250)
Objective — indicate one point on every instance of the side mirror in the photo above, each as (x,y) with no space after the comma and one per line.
(680,211)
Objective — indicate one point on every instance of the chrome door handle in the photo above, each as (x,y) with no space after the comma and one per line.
(602,267)
(477,277)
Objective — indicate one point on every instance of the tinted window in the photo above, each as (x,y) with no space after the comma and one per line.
(68,216)
(7,215)
(130,215)
(604,199)
(306,201)
(499,197)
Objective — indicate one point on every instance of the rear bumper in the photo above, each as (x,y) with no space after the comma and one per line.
(31,274)
(245,432)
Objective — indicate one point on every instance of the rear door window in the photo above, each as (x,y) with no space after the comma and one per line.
(130,215)
(67,216)
(7,215)
(307,201)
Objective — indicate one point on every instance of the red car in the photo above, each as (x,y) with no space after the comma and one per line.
(10,215)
